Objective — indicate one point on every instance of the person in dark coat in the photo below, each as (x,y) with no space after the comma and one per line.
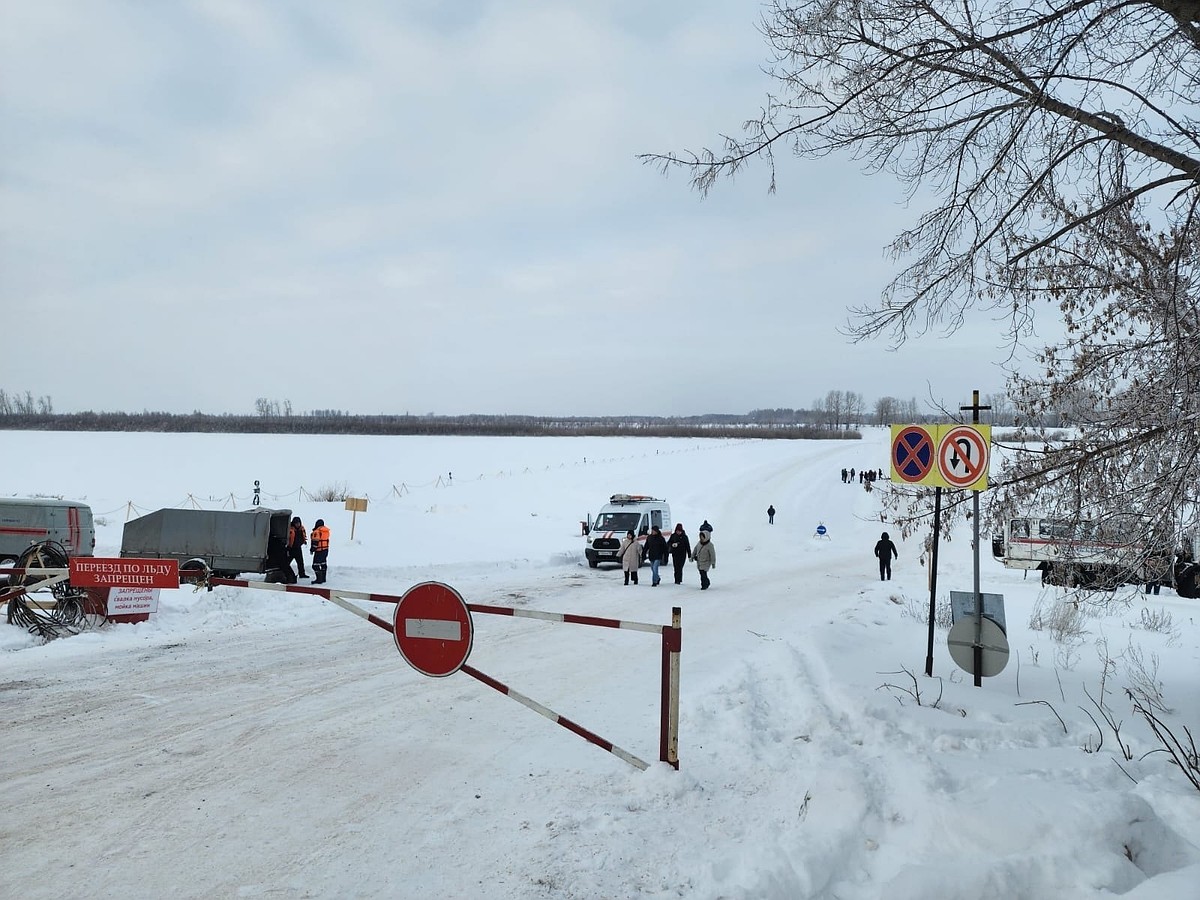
(277,558)
(771,514)
(885,551)
(680,548)
(656,553)
(297,538)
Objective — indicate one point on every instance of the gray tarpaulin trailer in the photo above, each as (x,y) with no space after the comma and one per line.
(229,542)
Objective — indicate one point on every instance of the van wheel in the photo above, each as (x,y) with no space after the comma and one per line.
(594,563)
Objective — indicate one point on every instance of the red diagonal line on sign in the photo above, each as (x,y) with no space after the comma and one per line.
(911,452)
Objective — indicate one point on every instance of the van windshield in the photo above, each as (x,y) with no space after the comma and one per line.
(617,521)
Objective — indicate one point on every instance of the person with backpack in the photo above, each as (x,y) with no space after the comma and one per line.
(680,548)
(320,551)
(297,538)
(885,550)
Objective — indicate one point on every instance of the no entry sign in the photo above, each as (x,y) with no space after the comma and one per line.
(433,629)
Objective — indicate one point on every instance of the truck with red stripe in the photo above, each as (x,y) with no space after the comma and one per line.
(27,522)
(623,513)
(1104,553)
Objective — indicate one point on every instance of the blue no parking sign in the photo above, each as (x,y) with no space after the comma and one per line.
(913,453)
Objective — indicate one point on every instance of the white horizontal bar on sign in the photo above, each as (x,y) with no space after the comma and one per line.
(437,629)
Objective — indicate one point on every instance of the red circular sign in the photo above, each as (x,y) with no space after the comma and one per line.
(912,454)
(433,629)
(963,457)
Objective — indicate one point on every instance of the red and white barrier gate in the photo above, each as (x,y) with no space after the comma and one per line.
(433,631)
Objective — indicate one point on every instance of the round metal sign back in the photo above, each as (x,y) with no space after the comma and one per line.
(992,642)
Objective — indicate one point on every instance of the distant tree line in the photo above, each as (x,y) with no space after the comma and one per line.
(712,426)
(839,414)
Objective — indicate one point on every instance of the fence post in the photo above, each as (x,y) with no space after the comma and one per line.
(672,643)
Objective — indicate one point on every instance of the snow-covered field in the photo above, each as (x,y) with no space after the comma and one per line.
(250,743)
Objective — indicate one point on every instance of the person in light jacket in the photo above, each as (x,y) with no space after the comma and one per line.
(705,556)
(680,548)
(630,556)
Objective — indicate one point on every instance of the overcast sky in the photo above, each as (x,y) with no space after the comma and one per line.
(426,207)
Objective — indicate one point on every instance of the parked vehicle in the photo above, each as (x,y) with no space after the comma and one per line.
(229,543)
(1079,553)
(622,513)
(27,522)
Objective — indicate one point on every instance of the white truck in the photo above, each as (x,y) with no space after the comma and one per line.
(1086,553)
(27,522)
(622,513)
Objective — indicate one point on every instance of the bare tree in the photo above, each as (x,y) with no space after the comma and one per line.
(1061,144)
(834,407)
(885,411)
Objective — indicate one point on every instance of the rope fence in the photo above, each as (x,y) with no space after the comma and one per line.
(339,493)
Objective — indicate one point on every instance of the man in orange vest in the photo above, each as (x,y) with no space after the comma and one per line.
(297,538)
(320,550)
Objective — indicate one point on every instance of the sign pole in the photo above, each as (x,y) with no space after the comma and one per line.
(933,564)
(978,647)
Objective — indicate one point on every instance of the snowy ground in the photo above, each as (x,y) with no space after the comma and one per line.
(249,743)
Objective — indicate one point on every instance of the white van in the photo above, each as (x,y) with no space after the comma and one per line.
(622,513)
(26,522)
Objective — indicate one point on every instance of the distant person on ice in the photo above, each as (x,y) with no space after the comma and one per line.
(771,514)
(297,538)
(320,551)
(885,550)
(680,548)
(705,556)
(630,556)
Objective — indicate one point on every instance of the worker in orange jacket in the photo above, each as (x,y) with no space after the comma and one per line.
(319,544)
(297,538)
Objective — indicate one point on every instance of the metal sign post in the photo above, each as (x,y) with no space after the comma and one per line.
(933,563)
(978,655)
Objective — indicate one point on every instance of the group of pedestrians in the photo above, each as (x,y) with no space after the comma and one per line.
(676,549)
(863,475)
(293,552)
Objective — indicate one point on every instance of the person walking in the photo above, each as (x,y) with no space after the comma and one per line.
(705,556)
(630,556)
(680,548)
(297,538)
(320,551)
(656,552)
(771,514)
(885,550)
